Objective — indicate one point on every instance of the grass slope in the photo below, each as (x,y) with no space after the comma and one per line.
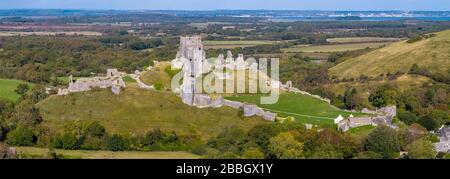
(304,108)
(7,87)
(158,75)
(402,83)
(137,111)
(84,154)
(432,54)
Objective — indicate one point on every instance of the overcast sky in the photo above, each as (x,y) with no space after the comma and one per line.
(436,5)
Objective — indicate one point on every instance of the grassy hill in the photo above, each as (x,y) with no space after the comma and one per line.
(402,83)
(432,54)
(7,87)
(137,111)
(303,108)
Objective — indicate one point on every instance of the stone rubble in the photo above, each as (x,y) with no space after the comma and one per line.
(444,140)
(112,80)
(383,116)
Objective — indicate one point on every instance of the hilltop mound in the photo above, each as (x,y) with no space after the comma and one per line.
(431,53)
(137,111)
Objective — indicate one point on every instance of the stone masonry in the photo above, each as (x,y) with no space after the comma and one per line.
(382,116)
(112,80)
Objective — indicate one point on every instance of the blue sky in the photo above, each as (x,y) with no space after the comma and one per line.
(437,5)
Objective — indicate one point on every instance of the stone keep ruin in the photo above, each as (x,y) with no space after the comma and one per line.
(112,80)
(191,58)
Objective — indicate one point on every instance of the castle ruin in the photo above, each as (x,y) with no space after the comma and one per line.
(112,80)
(191,58)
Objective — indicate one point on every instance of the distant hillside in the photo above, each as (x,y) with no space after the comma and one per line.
(431,53)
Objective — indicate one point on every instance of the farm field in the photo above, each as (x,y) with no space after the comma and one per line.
(304,108)
(49,33)
(33,152)
(361,39)
(7,87)
(332,48)
(136,111)
(235,44)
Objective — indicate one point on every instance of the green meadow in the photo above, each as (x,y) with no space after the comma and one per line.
(305,109)
(8,87)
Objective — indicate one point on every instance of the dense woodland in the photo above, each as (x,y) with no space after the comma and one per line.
(41,59)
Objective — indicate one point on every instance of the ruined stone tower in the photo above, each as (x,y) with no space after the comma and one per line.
(191,57)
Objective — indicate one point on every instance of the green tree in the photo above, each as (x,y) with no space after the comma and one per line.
(326,151)
(261,134)
(421,149)
(21,136)
(284,146)
(22,88)
(384,96)
(383,140)
(352,99)
(37,93)
(231,138)
(25,113)
(368,155)
(253,153)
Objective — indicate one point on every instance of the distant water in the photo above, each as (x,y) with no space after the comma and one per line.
(291,19)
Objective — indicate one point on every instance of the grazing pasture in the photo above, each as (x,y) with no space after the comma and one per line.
(332,47)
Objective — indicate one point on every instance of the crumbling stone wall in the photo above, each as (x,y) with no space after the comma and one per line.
(383,116)
(444,140)
(112,80)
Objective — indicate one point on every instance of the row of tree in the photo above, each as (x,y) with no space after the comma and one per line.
(293,141)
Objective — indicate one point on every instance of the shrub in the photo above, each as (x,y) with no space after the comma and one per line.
(115,143)
(407,117)
(21,136)
(429,122)
(69,141)
(158,86)
(22,89)
(92,143)
(96,130)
